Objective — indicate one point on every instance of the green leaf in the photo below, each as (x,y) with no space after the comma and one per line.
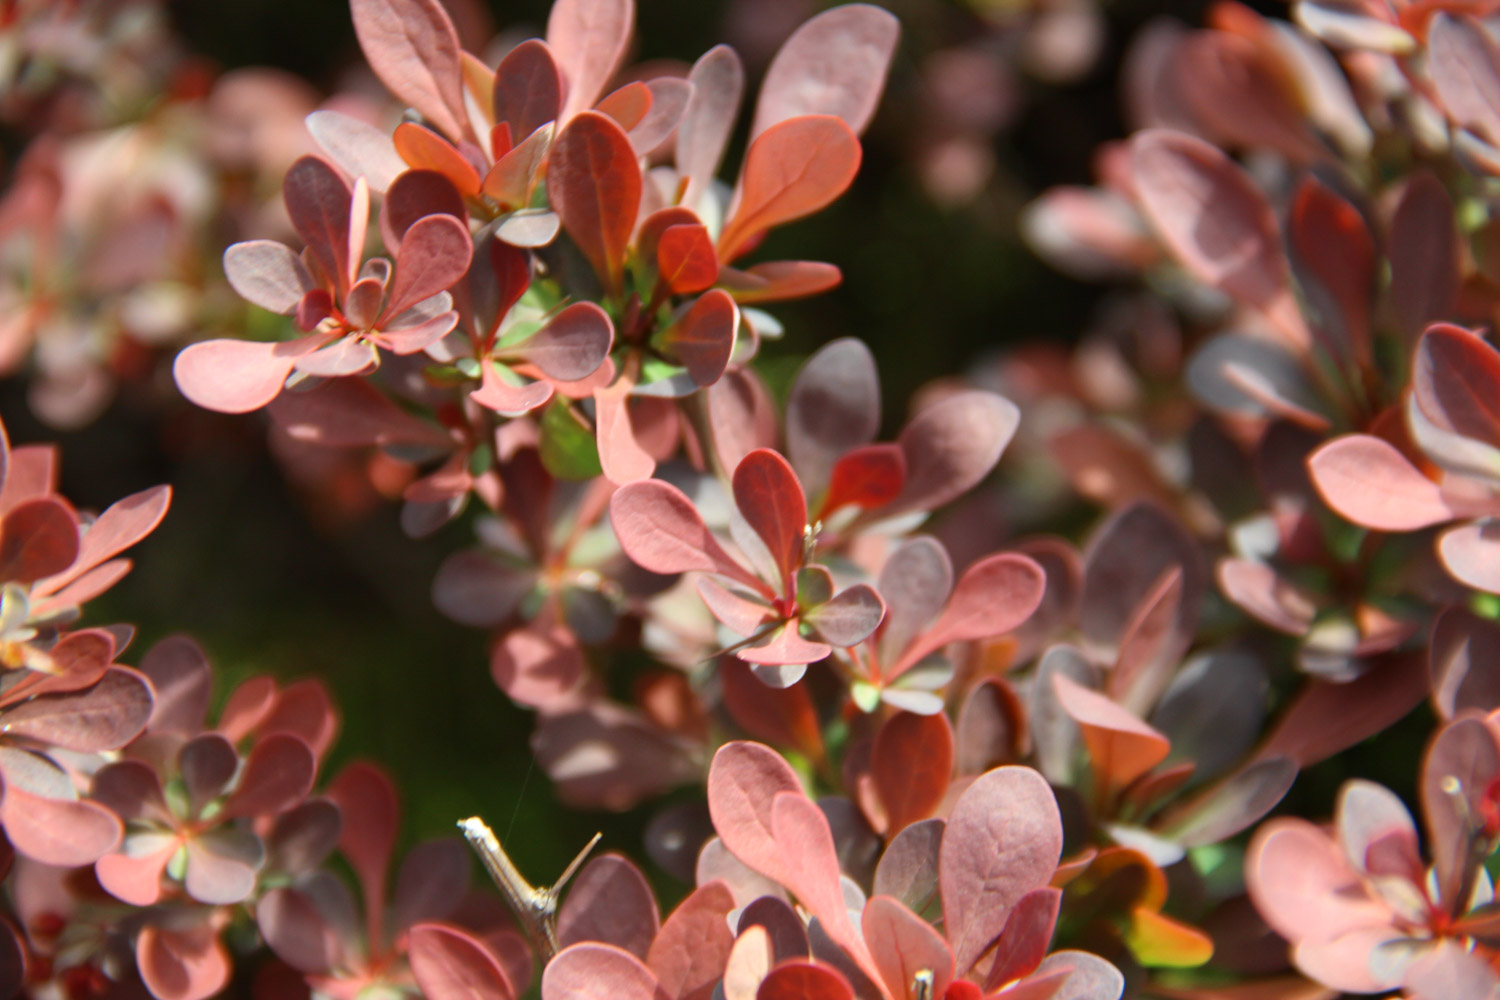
(568,448)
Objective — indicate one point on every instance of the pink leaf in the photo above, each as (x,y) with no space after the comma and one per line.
(793,169)
(1471,552)
(236,376)
(450,964)
(1003,840)
(785,648)
(834,64)
(609,903)
(361,149)
(190,964)
(58,832)
(1303,886)
(598,972)
(621,453)
(122,524)
(588,39)
(1372,484)
(718,81)
(905,946)
(660,531)
(1121,746)
(412,47)
(351,413)
(994,596)
(742,782)
(689,955)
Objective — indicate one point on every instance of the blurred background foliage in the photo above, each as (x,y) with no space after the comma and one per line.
(268,583)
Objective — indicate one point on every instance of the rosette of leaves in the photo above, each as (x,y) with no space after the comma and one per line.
(1362,909)
(661,531)
(349,308)
(1454,433)
(407,941)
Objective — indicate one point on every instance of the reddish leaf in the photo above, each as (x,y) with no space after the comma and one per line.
(834,64)
(367,800)
(1328,717)
(1455,380)
(1334,256)
(434,255)
(660,531)
(691,952)
(994,596)
(38,538)
(1464,662)
(702,339)
(1423,251)
(1368,481)
(588,40)
(449,964)
(594,186)
(804,981)
(1003,840)
(784,716)
(610,903)
(1303,886)
(412,47)
(911,764)
(1462,762)
(596,971)
(1121,746)
(190,964)
(916,582)
(767,493)
(793,169)
(905,947)
(528,88)
(122,524)
(686,260)
(1028,933)
(867,477)
(277,775)
(537,664)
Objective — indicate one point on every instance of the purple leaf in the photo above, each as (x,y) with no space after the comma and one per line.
(277,775)
(573,344)
(268,273)
(103,717)
(434,256)
(319,203)
(834,407)
(908,870)
(951,445)
(528,88)
(431,883)
(850,617)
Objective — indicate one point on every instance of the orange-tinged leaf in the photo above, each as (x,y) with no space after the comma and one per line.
(424,149)
(594,186)
(628,105)
(686,260)
(1158,941)
(794,168)
(912,764)
(1121,746)
(702,339)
